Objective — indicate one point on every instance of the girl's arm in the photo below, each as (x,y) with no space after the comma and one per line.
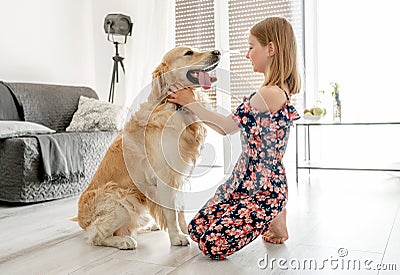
(222,124)
(184,97)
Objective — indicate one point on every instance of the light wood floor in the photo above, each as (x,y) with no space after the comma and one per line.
(353,213)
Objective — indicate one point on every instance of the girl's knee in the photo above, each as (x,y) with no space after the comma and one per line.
(210,249)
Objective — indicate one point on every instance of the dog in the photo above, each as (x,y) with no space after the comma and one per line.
(139,178)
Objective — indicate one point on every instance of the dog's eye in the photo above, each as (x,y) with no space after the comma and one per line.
(189,53)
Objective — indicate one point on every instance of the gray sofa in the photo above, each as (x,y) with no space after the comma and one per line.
(21,163)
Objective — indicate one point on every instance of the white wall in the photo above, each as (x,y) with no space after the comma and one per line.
(46,41)
(63,42)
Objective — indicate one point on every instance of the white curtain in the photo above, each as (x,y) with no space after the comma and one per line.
(152,39)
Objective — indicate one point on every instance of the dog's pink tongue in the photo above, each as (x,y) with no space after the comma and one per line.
(204,80)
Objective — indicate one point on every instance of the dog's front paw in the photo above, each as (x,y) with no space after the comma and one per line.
(126,243)
(179,240)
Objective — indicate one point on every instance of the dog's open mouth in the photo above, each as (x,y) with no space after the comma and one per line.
(204,77)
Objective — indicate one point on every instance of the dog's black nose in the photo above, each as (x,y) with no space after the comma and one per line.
(216,53)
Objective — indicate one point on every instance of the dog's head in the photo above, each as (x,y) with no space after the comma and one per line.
(189,67)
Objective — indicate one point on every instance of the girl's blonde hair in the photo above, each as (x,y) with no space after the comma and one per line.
(283,68)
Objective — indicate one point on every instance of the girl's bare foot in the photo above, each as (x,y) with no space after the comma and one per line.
(277,232)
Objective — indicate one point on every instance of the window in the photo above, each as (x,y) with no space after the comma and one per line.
(224,24)
(196,26)
(354,43)
(358,47)
(242,15)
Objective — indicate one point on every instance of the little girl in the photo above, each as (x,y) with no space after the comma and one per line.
(252,201)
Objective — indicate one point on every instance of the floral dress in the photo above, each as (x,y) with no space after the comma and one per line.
(256,192)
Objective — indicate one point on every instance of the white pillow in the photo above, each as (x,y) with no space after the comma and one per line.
(10,129)
(96,115)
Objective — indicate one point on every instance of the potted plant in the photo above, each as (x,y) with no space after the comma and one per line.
(337,106)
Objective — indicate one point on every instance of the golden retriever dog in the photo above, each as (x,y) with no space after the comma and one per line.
(139,179)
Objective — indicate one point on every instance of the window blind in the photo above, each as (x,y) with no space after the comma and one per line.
(243,15)
(195,28)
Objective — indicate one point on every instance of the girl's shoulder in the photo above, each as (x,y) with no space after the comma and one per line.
(271,98)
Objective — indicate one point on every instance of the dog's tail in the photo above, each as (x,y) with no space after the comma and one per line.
(74,219)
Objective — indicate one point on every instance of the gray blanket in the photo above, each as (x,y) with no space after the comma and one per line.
(61,155)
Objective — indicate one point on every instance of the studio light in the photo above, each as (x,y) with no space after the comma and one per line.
(117,25)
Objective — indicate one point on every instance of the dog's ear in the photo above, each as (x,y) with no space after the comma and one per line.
(162,68)
(158,83)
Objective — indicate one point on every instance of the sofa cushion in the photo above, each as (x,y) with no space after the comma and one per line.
(96,115)
(47,104)
(8,105)
(10,129)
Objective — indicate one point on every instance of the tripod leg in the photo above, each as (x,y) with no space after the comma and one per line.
(115,74)
(112,86)
(111,94)
(122,66)
(116,71)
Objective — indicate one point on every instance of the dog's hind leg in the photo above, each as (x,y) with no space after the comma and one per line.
(147,223)
(111,217)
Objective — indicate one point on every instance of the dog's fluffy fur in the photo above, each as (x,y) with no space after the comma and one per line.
(147,163)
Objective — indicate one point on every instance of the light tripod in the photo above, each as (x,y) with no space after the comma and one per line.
(114,78)
(117,24)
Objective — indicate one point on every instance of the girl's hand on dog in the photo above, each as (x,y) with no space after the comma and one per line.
(181,95)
